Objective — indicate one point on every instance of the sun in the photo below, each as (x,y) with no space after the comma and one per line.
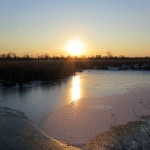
(75,47)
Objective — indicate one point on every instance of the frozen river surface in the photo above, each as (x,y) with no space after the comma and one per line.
(38,99)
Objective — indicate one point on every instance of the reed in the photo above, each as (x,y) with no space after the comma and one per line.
(25,71)
(21,71)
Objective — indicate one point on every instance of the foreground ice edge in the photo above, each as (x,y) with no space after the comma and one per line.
(17,132)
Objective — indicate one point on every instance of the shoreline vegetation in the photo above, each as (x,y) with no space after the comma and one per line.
(19,70)
(133,135)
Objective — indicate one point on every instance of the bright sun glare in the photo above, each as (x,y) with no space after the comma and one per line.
(76,88)
(75,47)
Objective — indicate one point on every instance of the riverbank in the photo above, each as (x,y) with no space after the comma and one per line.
(21,72)
(130,136)
(82,120)
(13,71)
(17,132)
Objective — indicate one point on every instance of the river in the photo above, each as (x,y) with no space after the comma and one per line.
(38,99)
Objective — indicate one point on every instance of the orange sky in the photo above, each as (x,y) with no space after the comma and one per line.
(37,27)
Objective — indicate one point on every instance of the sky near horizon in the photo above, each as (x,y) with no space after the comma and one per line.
(45,26)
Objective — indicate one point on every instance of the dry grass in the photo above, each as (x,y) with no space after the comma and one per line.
(25,71)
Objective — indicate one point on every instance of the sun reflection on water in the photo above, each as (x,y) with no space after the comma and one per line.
(75,88)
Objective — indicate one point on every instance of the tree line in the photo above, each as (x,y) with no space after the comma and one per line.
(12,56)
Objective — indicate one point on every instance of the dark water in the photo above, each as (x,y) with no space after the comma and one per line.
(39,99)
